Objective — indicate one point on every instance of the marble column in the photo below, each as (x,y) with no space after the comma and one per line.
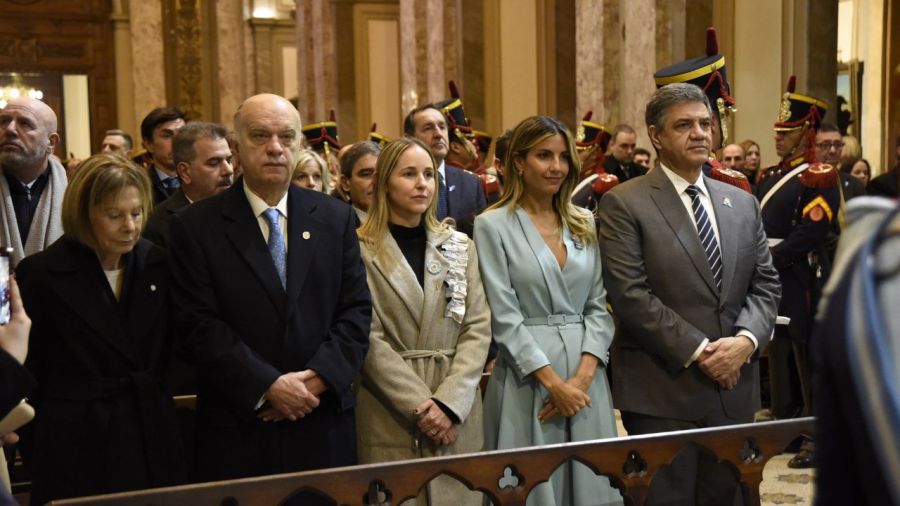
(231,55)
(409,90)
(121,22)
(589,61)
(147,54)
(316,56)
(616,56)
(638,60)
(430,49)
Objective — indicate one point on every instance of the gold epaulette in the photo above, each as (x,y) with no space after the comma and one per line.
(732,177)
(819,176)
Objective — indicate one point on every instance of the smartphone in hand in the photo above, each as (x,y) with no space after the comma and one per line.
(5,255)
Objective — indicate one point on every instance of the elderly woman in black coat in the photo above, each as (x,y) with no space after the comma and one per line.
(98,299)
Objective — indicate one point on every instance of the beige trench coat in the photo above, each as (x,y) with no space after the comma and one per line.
(417,353)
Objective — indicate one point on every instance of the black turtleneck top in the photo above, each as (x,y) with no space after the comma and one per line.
(412,243)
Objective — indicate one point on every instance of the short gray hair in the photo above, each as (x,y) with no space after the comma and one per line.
(183,150)
(353,155)
(669,95)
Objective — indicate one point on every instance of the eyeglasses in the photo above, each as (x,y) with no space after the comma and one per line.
(830,145)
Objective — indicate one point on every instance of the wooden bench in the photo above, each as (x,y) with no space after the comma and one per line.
(505,476)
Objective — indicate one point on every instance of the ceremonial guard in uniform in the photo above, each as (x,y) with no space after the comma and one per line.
(708,72)
(591,141)
(799,200)
(460,130)
(323,139)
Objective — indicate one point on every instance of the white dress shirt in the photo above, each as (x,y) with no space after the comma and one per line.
(259,206)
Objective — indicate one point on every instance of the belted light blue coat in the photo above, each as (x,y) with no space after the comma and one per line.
(541,315)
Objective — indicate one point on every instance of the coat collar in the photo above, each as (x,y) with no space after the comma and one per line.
(242,229)
(728,233)
(304,229)
(396,273)
(553,274)
(672,209)
(79,271)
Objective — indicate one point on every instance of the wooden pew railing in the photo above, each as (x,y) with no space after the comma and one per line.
(506,477)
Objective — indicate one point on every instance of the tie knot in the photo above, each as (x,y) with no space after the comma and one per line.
(271,216)
(692,191)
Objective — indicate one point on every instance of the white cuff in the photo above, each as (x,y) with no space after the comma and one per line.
(261,403)
(749,335)
(697,353)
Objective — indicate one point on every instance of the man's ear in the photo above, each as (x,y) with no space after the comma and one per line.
(145,144)
(54,141)
(183,172)
(654,136)
(345,184)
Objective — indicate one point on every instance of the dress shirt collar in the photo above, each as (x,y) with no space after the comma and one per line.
(442,171)
(259,205)
(681,183)
(162,175)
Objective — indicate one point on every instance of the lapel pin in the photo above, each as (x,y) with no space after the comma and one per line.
(306,235)
(451,188)
(434,267)
(152,288)
(727,202)
(578,244)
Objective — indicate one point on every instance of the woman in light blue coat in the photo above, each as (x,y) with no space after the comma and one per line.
(540,266)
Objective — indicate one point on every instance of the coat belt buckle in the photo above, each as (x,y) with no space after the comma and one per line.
(556,319)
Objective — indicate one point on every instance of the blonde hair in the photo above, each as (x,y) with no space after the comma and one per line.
(98,178)
(375,228)
(526,135)
(852,150)
(307,157)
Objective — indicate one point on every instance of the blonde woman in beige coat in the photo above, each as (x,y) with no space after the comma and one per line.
(430,328)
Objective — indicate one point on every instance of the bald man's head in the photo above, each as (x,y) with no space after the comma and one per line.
(733,156)
(268,129)
(27,137)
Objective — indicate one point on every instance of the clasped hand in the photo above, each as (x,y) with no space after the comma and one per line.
(566,398)
(722,359)
(292,396)
(434,423)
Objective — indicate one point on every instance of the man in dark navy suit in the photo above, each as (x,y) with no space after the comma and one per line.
(460,195)
(157,131)
(272,303)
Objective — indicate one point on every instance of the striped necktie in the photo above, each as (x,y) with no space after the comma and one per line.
(707,235)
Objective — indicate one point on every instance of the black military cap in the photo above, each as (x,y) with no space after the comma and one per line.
(799,110)
(457,123)
(591,134)
(707,72)
(376,137)
(324,135)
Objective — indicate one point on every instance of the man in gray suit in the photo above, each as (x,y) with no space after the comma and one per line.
(689,275)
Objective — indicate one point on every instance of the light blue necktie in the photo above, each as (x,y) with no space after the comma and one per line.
(707,235)
(276,244)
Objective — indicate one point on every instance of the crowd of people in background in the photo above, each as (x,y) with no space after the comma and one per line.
(332,305)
